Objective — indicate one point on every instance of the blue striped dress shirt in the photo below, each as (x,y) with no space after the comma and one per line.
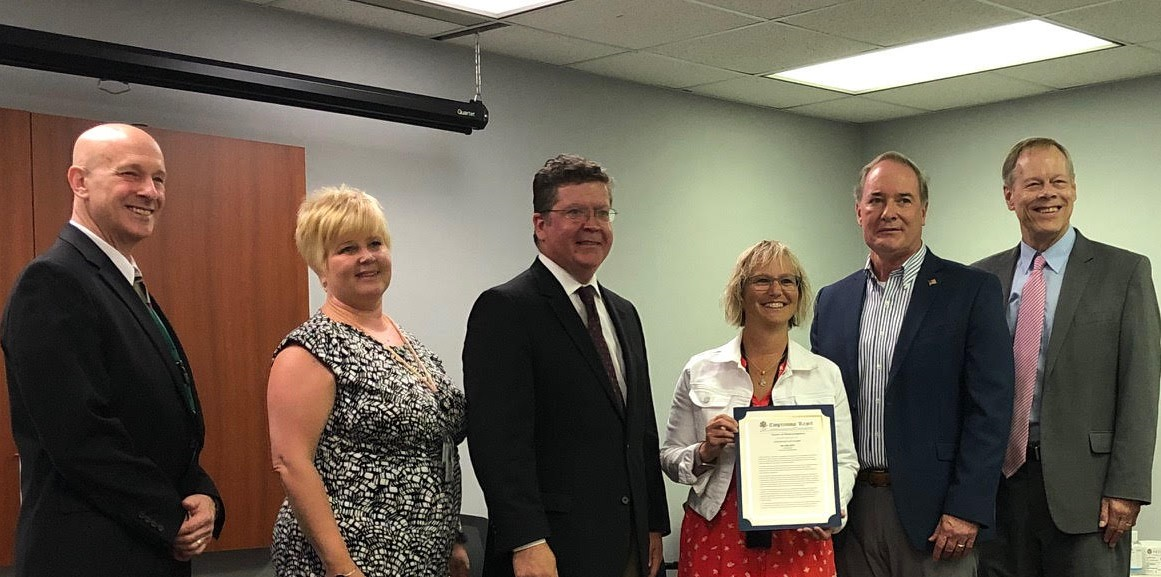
(884,305)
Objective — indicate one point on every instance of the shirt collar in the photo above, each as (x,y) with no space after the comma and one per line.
(128,268)
(1054,258)
(910,266)
(566,280)
(797,357)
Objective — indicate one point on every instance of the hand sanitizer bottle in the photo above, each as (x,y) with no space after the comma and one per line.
(1136,556)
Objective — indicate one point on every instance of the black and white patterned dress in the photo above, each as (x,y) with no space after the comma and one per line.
(380,458)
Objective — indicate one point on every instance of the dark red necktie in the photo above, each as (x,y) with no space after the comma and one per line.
(588,296)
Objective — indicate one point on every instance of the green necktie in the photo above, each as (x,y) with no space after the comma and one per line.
(186,388)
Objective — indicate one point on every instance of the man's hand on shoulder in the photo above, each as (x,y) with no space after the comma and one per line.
(198,528)
(535,561)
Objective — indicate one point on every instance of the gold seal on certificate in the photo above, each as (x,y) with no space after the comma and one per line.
(787,467)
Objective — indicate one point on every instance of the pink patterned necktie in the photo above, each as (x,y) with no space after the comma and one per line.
(1026,351)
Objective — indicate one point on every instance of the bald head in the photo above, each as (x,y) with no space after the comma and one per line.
(118,183)
(94,143)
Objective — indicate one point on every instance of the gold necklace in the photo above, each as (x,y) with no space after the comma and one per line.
(762,373)
(425,377)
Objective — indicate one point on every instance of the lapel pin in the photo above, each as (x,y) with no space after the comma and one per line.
(932,282)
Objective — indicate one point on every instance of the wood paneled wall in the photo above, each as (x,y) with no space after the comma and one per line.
(15,250)
(223,265)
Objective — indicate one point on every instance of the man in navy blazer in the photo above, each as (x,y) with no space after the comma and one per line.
(104,411)
(923,349)
(561,427)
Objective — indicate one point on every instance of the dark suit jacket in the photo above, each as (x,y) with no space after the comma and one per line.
(1098,416)
(107,444)
(556,454)
(949,392)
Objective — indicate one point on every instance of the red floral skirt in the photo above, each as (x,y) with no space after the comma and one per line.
(716,548)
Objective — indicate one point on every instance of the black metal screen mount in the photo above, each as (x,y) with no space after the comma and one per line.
(40,50)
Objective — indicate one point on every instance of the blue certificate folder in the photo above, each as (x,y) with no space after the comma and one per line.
(821,511)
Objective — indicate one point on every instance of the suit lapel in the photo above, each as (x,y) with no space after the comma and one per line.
(1006,271)
(856,293)
(112,277)
(1076,278)
(618,317)
(925,290)
(562,307)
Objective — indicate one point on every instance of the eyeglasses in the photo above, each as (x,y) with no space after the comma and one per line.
(762,283)
(577,214)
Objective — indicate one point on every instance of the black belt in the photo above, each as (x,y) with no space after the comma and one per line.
(875,477)
(1033,452)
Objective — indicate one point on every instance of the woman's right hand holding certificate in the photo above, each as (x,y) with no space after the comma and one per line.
(719,432)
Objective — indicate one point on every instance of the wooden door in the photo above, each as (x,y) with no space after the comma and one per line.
(223,265)
(15,250)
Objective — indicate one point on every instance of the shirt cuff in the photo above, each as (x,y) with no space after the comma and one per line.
(530,545)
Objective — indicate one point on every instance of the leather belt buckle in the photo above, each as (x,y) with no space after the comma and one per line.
(875,477)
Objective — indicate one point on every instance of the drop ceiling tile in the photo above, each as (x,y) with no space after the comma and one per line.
(653,69)
(1130,21)
(769,47)
(636,24)
(856,109)
(762,91)
(1041,7)
(365,15)
(903,21)
(771,10)
(1153,45)
(1090,68)
(532,44)
(260,1)
(970,90)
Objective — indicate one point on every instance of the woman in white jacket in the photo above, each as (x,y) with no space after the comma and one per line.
(767,295)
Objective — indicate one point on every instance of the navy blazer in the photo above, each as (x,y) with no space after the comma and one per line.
(108,445)
(949,391)
(556,454)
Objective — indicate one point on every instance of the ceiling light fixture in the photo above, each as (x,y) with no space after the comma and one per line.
(493,8)
(990,49)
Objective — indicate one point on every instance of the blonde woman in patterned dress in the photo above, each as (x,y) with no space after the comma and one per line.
(364,422)
(767,295)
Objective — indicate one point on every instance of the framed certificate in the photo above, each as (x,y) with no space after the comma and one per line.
(787,470)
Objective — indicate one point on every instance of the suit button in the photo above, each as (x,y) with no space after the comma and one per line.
(624,500)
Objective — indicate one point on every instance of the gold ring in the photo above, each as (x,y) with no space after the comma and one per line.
(960,546)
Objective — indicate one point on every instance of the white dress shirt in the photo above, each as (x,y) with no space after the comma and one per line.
(571,285)
(714,382)
(127,267)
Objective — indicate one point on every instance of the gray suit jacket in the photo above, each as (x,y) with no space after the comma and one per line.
(1098,420)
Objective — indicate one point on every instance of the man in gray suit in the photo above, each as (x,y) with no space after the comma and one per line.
(1087,341)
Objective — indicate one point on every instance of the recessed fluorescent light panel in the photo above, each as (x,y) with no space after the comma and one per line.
(999,47)
(493,8)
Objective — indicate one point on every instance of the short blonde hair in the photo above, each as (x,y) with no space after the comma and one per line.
(752,259)
(333,214)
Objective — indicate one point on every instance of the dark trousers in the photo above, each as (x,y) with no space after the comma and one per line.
(1030,545)
(873,543)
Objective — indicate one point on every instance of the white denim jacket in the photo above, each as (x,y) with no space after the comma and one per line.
(713,383)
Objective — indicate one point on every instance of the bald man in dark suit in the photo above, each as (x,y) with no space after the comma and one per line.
(104,410)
